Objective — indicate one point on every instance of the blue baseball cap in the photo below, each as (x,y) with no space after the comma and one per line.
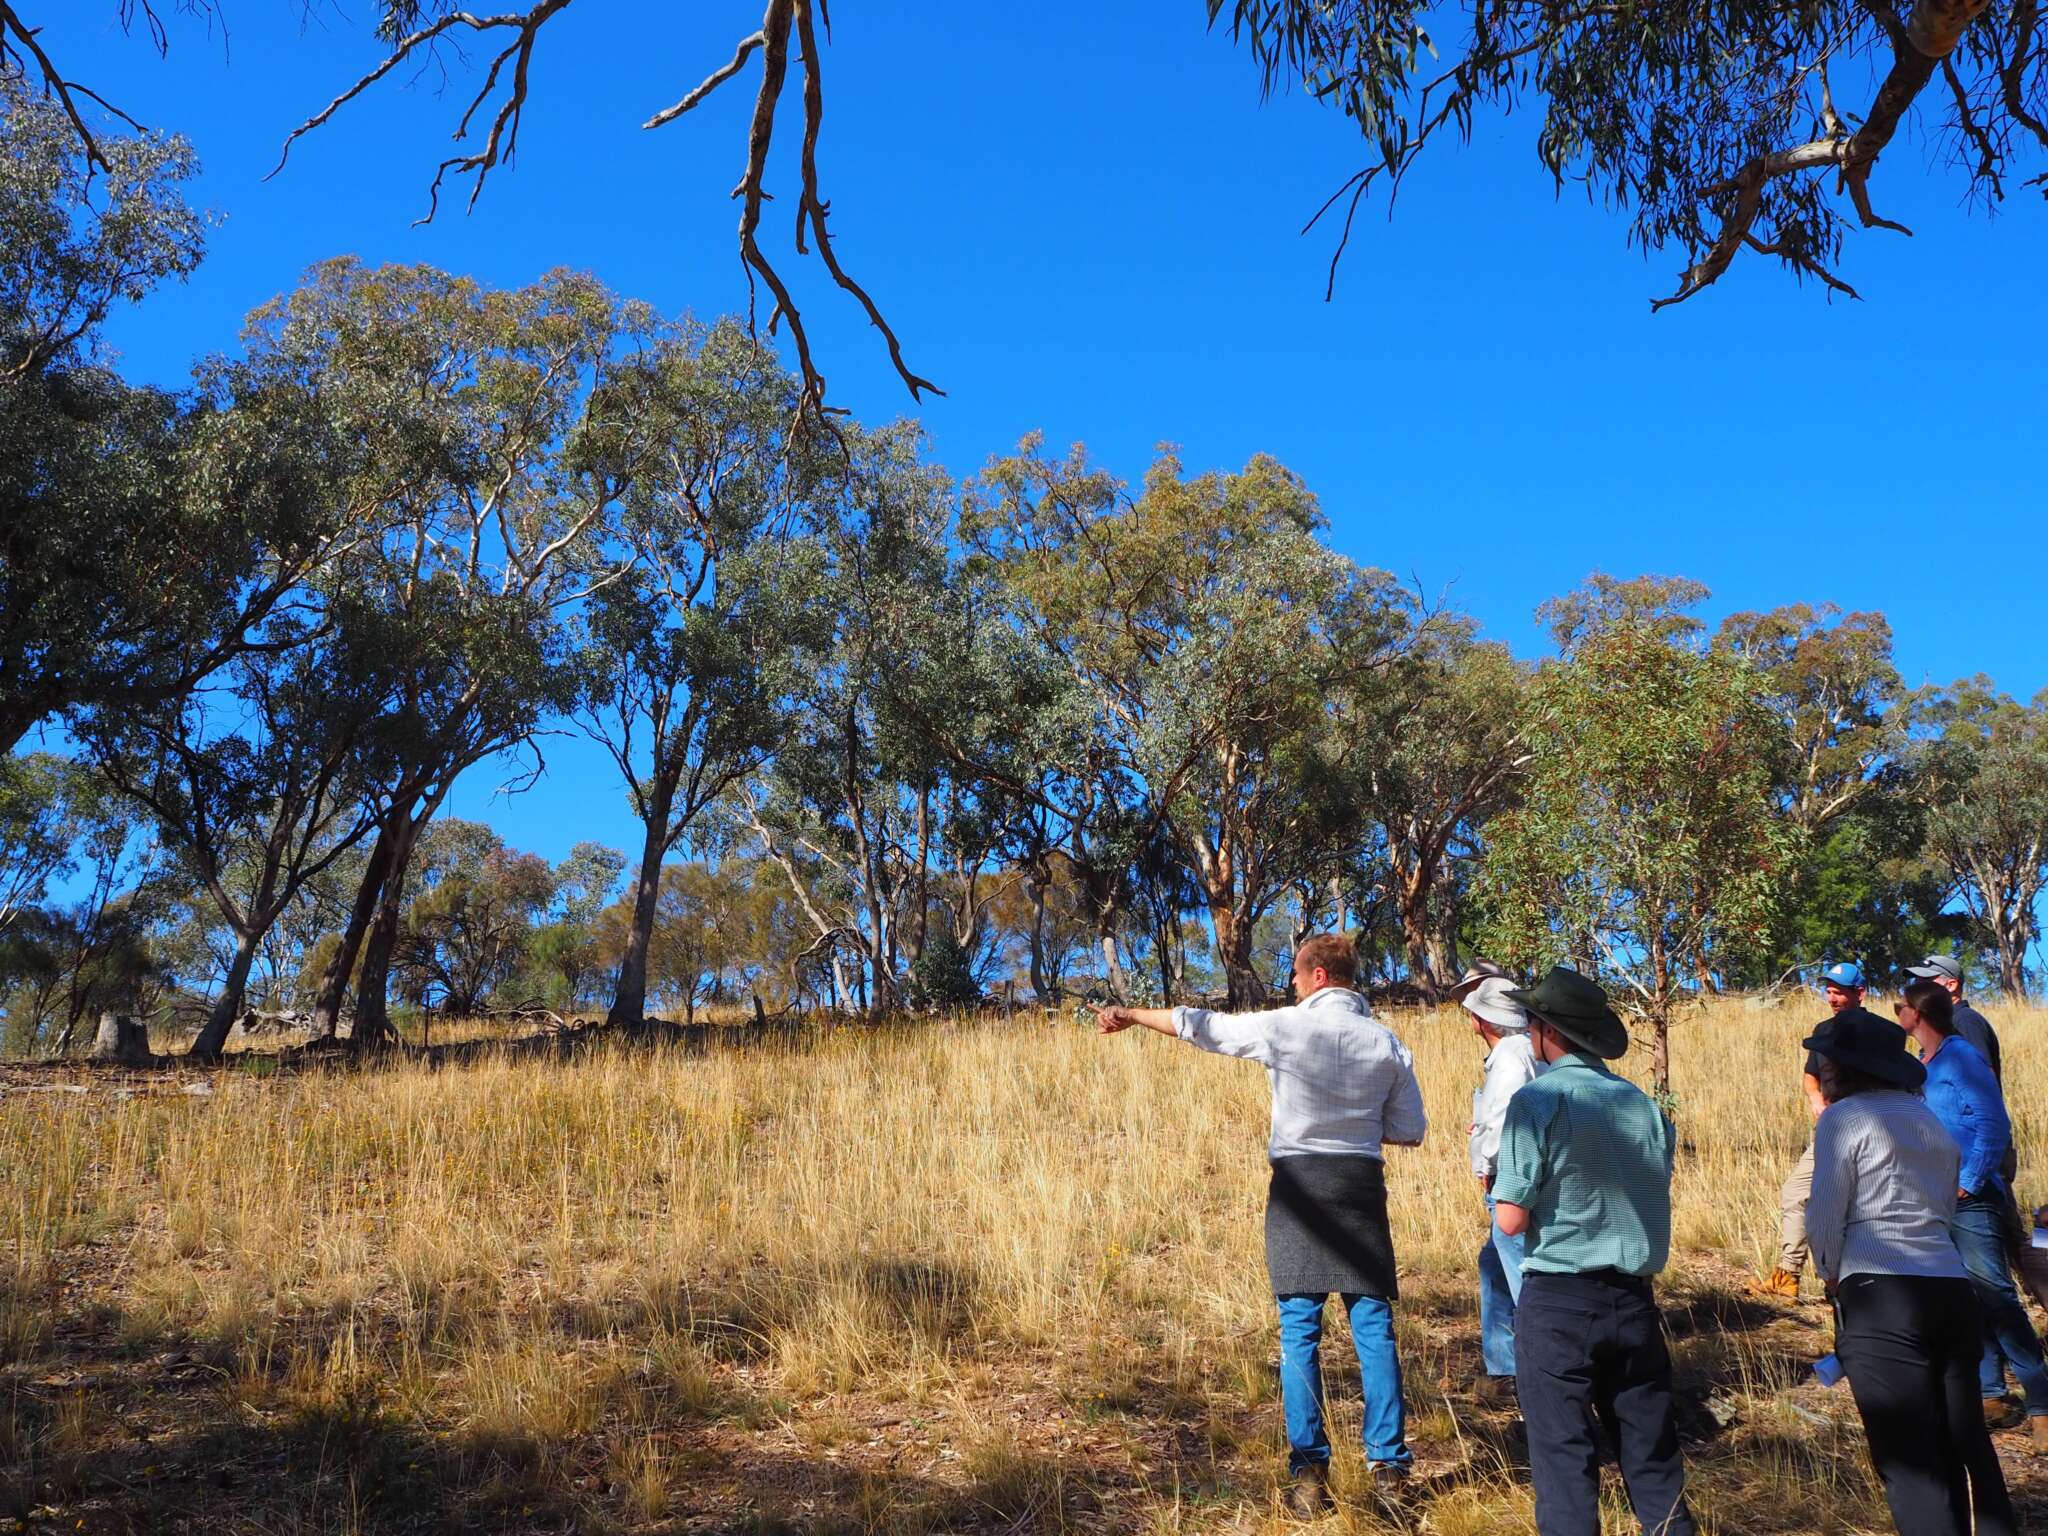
(1843,973)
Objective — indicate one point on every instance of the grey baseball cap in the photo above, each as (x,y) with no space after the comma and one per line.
(1937,966)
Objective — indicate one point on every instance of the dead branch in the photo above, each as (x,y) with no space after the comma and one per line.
(532,1011)
(814,115)
(772,42)
(2026,17)
(711,82)
(18,38)
(1974,131)
(503,137)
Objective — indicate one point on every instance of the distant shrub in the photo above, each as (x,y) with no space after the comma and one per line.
(942,976)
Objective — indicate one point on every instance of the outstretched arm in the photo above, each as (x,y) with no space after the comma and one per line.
(1227,1034)
(1114,1018)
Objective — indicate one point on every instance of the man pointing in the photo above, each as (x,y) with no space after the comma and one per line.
(1343,1086)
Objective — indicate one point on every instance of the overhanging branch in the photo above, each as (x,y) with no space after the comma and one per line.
(18,39)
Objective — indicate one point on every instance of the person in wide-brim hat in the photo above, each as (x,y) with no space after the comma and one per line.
(1576,1008)
(1860,1040)
(1478,971)
(1584,1178)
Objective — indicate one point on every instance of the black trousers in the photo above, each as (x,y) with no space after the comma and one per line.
(1592,1346)
(1911,1347)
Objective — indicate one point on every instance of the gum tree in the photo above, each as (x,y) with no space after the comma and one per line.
(685,657)
(1722,131)
(838,813)
(1987,782)
(468,401)
(1446,753)
(252,786)
(145,536)
(1213,637)
(1647,837)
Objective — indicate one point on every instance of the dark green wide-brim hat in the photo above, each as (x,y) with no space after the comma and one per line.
(1577,1008)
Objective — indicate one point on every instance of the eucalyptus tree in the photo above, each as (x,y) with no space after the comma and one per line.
(1447,753)
(1987,780)
(37,829)
(1212,634)
(469,402)
(61,822)
(1845,775)
(686,656)
(1846,714)
(1646,838)
(252,785)
(468,926)
(1658,606)
(1724,132)
(143,539)
(1014,723)
(838,810)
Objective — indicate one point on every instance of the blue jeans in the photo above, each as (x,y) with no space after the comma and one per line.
(1500,1287)
(1979,1233)
(1301,1380)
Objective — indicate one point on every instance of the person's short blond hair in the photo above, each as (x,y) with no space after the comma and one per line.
(1333,953)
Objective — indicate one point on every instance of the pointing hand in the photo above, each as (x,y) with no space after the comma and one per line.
(1112,1018)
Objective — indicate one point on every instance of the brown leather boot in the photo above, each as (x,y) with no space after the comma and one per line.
(1309,1497)
(2038,1428)
(1779,1284)
(2000,1413)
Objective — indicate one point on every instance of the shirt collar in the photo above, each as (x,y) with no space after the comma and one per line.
(1508,1039)
(1335,996)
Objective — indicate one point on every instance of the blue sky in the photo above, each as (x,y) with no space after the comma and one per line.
(1081,219)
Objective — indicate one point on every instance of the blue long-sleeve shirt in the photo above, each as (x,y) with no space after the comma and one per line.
(1964,1096)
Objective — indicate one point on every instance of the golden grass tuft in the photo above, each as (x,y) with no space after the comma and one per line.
(985,1275)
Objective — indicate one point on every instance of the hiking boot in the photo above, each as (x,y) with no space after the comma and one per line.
(1494,1390)
(1393,1485)
(2000,1413)
(2037,1426)
(1779,1284)
(1309,1496)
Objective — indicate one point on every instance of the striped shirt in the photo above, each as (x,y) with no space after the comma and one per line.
(1342,1081)
(1589,1157)
(1884,1189)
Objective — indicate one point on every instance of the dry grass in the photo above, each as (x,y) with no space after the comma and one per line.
(998,1276)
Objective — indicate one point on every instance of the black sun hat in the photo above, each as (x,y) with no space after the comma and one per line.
(1576,1007)
(1858,1038)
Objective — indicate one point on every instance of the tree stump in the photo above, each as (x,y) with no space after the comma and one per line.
(121,1038)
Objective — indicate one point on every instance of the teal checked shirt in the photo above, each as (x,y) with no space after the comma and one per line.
(1589,1157)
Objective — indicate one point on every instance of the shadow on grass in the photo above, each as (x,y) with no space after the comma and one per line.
(106,1429)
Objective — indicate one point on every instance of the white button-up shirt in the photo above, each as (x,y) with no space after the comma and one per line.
(1510,1067)
(1342,1081)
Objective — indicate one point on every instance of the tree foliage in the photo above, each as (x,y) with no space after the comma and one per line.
(1988,818)
(1647,840)
(1718,130)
